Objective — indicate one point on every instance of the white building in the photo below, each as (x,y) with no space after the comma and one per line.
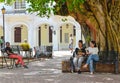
(20,25)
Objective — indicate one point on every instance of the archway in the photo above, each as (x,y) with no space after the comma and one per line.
(19,33)
(44,35)
(65,30)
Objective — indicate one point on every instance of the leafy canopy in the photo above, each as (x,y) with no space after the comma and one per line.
(44,7)
(10,2)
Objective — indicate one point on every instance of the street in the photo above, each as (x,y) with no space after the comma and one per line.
(49,71)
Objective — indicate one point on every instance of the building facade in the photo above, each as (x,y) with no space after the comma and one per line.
(20,25)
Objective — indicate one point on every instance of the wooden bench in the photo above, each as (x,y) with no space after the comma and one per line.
(110,58)
(9,62)
(108,63)
(6,59)
(100,67)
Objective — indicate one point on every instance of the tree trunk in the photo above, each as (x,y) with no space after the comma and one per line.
(106,21)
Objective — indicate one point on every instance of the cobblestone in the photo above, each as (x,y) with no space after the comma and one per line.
(49,71)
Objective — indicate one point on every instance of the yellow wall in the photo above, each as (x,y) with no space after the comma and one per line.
(1,31)
(66,30)
(24,33)
(45,35)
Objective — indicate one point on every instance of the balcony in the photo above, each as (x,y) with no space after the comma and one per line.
(16,11)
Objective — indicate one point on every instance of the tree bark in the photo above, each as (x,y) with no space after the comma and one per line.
(106,22)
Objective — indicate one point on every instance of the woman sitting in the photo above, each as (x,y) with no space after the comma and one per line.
(92,53)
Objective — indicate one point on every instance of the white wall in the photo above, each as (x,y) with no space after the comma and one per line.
(33,22)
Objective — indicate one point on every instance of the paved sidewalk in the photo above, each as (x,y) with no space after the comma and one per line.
(49,71)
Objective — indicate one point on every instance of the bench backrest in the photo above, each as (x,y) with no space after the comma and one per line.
(108,56)
(15,49)
(3,52)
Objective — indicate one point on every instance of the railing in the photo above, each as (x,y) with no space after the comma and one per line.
(16,11)
(110,57)
(43,51)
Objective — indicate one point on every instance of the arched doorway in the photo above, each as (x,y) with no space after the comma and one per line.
(44,35)
(20,33)
(65,31)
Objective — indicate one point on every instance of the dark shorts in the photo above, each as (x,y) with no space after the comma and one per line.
(71,46)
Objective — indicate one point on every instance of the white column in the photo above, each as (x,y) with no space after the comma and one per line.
(55,39)
(78,35)
(7,34)
(27,6)
(31,37)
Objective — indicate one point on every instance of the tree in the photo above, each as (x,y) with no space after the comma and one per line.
(102,17)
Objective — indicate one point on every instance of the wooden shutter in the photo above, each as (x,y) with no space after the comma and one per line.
(17,34)
(50,35)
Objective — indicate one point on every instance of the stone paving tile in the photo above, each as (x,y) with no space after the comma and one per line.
(49,71)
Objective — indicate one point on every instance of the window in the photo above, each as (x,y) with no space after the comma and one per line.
(20,4)
(74,31)
(39,36)
(61,34)
(17,34)
(50,35)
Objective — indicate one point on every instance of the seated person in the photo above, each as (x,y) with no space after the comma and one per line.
(37,52)
(10,53)
(92,53)
(25,46)
(78,57)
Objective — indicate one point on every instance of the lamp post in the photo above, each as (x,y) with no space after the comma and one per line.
(3,13)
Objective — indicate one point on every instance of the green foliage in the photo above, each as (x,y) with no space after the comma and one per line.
(42,8)
(9,2)
(75,5)
(88,38)
(1,0)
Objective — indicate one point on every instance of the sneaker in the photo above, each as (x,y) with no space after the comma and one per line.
(79,72)
(71,71)
(91,73)
(25,66)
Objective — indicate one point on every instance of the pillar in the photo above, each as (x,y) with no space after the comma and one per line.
(55,39)
(78,35)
